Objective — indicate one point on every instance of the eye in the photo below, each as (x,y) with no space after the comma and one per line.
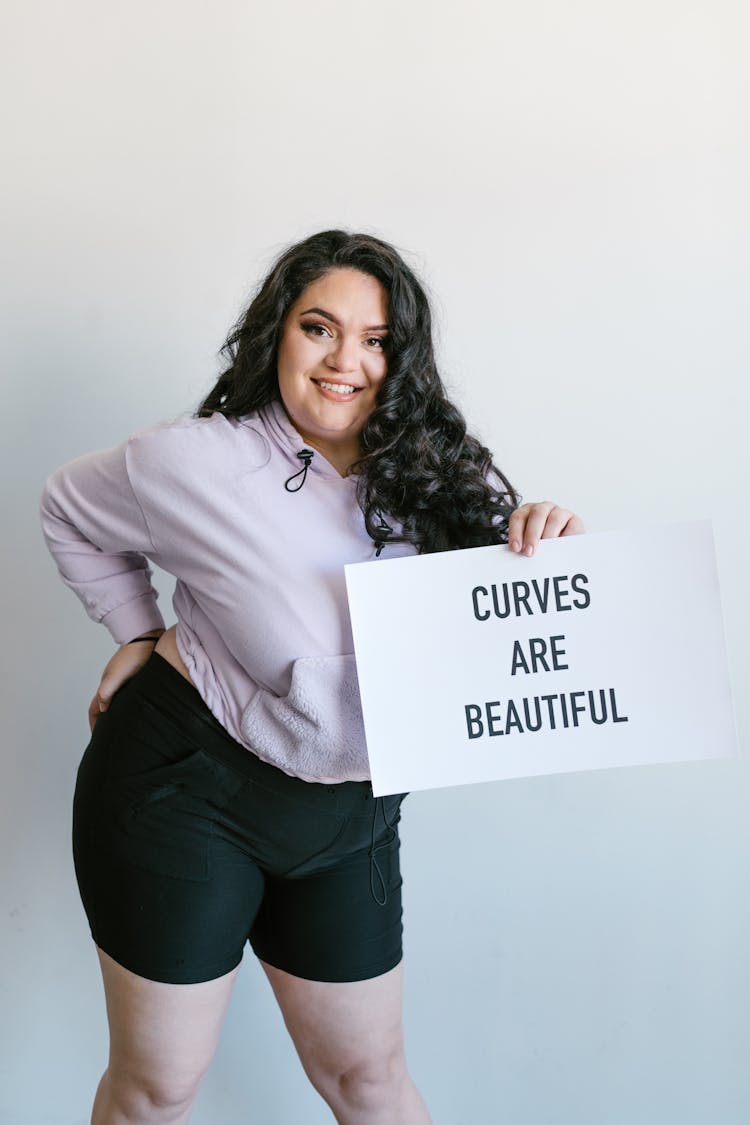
(313,329)
(378,340)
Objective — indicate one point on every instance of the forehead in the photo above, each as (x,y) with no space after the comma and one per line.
(349,294)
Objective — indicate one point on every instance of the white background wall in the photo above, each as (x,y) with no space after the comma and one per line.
(572,180)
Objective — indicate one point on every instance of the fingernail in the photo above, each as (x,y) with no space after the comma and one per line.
(529,550)
(515,545)
(102,706)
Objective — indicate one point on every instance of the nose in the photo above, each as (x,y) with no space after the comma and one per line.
(343,355)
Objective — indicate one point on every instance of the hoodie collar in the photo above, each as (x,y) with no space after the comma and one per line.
(278,425)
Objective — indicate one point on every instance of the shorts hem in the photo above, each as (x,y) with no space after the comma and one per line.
(174,976)
(370,972)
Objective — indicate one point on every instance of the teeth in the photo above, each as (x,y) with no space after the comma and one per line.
(339,388)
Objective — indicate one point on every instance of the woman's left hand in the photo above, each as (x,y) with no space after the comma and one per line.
(543,520)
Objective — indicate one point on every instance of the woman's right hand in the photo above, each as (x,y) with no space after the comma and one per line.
(128,660)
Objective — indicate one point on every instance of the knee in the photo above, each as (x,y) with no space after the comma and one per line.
(372,1083)
(151,1099)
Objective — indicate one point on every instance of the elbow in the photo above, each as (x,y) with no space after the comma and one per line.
(48,506)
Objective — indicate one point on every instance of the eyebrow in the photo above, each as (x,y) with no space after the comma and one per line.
(330,316)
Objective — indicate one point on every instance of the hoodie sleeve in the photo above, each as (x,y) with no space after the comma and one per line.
(96,532)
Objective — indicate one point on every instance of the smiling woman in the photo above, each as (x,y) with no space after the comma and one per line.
(330,372)
(224,796)
(340,308)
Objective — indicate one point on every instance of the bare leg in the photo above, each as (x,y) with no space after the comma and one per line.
(349,1038)
(162,1039)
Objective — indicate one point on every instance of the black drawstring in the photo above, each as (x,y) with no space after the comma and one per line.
(380,542)
(305,455)
(374,869)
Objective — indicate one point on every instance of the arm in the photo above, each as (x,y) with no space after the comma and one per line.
(95,530)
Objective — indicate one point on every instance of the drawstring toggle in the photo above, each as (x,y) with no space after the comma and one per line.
(380,542)
(306,456)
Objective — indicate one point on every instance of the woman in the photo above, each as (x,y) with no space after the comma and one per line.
(224,794)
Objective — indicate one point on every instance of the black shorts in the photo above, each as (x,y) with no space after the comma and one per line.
(187,845)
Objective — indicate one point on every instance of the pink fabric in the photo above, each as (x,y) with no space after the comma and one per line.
(260,599)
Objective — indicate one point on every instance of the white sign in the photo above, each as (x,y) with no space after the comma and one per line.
(603,649)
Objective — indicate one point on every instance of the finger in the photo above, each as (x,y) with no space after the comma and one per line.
(535,525)
(574,526)
(108,685)
(93,712)
(557,519)
(516,525)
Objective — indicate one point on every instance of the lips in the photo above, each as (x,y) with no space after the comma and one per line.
(339,388)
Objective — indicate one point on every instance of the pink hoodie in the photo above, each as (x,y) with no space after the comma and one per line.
(262,617)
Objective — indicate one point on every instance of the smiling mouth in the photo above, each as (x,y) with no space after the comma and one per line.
(342,389)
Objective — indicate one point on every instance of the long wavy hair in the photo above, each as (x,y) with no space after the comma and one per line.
(419,466)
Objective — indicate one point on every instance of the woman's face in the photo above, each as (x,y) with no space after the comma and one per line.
(331,361)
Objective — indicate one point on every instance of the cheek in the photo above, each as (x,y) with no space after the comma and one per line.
(291,365)
(287,357)
(378,371)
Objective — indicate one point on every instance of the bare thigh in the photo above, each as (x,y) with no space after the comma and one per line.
(349,1038)
(162,1036)
(335,1027)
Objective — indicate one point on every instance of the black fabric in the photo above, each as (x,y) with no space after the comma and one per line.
(186,845)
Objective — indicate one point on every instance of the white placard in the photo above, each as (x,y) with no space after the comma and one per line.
(603,649)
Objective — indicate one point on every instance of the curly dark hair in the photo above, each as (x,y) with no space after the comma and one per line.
(419,466)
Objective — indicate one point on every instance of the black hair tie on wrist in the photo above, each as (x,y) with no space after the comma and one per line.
(135,639)
(305,455)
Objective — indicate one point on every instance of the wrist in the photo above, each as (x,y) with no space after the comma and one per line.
(152,636)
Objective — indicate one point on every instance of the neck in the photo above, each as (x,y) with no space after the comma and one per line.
(341,457)
(340,454)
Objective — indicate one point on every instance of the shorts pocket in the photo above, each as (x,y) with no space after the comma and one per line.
(162,818)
